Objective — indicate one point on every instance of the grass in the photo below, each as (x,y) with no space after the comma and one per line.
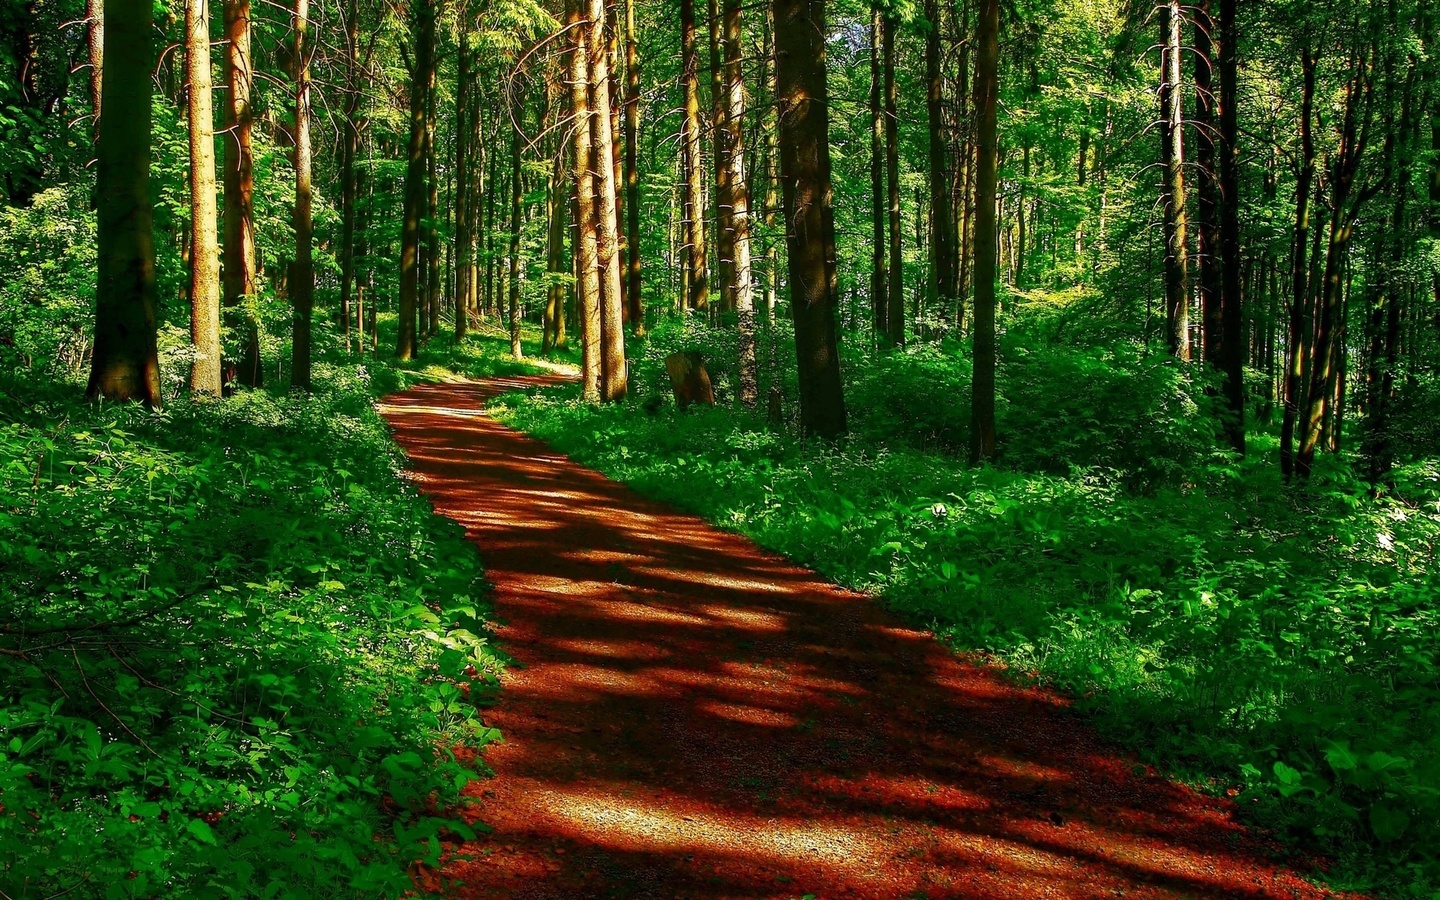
(238,652)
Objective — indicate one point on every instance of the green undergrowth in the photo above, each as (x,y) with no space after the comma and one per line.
(1274,643)
(238,652)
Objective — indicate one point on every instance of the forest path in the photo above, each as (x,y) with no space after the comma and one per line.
(693,717)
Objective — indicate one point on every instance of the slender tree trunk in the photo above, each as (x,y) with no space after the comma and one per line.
(302,270)
(464,272)
(740,209)
(349,150)
(614,380)
(1208,261)
(879,261)
(942,222)
(423,29)
(587,254)
(554,329)
(1231,357)
(1300,269)
(1177,240)
(633,283)
(895,314)
(95,45)
(804,136)
(720,135)
(696,261)
(771,129)
(517,195)
(204,246)
(432,216)
(987,93)
(123,363)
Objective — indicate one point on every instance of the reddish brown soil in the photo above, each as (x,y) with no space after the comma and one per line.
(693,717)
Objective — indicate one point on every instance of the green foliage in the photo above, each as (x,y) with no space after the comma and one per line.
(236,650)
(47,281)
(1277,644)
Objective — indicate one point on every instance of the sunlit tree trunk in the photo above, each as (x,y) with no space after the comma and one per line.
(123,363)
(720,159)
(349,151)
(517,195)
(804,136)
(587,255)
(1177,241)
(239,275)
(95,46)
(1300,271)
(987,95)
(432,216)
(879,260)
(740,204)
(895,314)
(204,245)
(464,271)
(554,326)
(771,130)
(696,251)
(614,380)
(302,269)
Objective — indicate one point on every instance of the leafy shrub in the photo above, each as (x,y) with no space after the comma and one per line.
(47,282)
(235,649)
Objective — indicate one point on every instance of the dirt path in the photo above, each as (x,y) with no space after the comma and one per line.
(697,718)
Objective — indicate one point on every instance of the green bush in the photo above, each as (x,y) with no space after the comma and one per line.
(236,649)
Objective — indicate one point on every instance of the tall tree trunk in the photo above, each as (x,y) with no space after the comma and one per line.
(740,205)
(1208,262)
(1300,268)
(204,245)
(614,379)
(349,150)
(895,314)
(696,252)
(634,301)
(123,363)
(517,194)
(987,93)
(432,216)
(879,261)
(804,135)
(771,130)
(1231,357)
(941,288)
(464,272)
(587,253)
(423,29)
(720,136)
(1177,239)
(302,270)
(554,327)
(239,271)
(95,45)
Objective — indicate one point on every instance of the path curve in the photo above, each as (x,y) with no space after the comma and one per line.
(693,717)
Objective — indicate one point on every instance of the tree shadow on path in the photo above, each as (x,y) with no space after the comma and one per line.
(693,717)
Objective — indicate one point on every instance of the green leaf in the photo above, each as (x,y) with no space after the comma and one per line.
(1388,820)
(201,831)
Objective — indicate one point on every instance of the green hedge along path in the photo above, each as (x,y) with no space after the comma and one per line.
(694,717)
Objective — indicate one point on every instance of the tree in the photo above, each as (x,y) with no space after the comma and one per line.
(1172,137)
(614,379)
(987,95)
(422,17)
(302,269)
(239,273)
(587,253)
(879,260)
(204,246)
(124,363)
(802,97)
(696,277)
(741,269)
(634,285)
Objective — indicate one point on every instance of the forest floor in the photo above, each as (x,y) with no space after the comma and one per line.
(689,716)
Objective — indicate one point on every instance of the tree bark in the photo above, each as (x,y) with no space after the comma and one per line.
(95,45)
(432,216)
(895,314)
(719,141)
(634,284)
(123,363)
(942,282)
(740,205)
(1208,261)
(1300,269)
(614,380)
(879,260)
(1231,357)
(1177,240)
(302,270)
(464,273)
(204,245)
(987,92)
(587,267)
(804,135)
(423,29)
(517,195)
(696,252)
(239,271)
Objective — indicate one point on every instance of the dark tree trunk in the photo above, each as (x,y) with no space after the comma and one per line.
(633,283)
(942,285)
(1177,240)
(987,93)
(302,269)
(879,260)
(123,364)
(895,314)
(804,136)
(1231,357)
(1208,261)
(1300,269)
(423,29)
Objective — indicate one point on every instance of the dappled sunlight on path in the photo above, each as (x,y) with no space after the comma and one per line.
(693,717)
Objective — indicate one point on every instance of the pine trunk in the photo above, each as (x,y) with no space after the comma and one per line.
(204,244)
(987,93)
(302,270)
